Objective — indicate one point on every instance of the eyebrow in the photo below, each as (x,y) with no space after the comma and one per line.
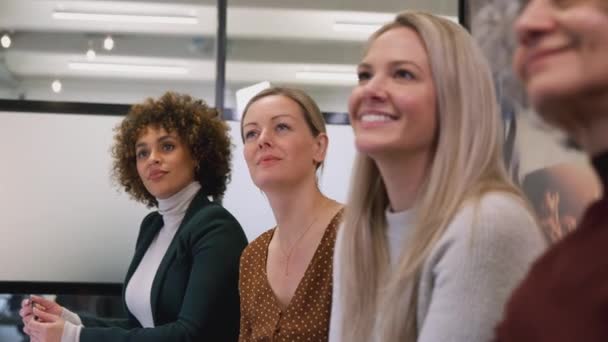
(161,139)
(393,64)
(273,118)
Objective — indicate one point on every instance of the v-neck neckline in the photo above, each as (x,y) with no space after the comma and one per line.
(315,256)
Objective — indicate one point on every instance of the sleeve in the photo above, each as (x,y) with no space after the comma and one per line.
(335,318)
(210,300)
(475,269)
(71,332)
(71,317)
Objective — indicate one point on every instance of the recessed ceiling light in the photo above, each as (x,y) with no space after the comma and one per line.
(6,41)
(91,54)
(108,43)
(56,86)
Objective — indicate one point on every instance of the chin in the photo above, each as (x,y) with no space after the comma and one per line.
(370,146)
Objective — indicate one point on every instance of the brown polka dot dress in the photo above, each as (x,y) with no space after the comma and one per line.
(306,318)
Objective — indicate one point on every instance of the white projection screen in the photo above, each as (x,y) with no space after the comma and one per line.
(63,219)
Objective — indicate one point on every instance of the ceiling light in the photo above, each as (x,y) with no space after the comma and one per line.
(91,54)
(126,18)
(128,68)
(56,86)
(5,41)
(108,43)
(369,26)
(341,76)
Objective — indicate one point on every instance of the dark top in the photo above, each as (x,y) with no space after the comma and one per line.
(195,291)
(565,295)
(306,318)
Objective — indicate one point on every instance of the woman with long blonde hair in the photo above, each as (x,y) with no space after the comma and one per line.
(435,234)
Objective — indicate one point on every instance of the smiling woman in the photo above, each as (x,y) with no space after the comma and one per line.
(435,234)
(562,59)
(171,153)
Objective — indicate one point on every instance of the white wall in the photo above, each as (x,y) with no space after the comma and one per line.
(63,220)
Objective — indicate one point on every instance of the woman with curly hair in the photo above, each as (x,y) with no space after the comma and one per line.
(172,153)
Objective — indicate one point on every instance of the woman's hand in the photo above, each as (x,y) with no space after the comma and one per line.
(48,327)
(41,303)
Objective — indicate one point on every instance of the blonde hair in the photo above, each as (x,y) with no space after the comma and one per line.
(468,149)
(312,114)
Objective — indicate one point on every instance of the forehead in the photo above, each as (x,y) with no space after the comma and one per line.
(400,43)
(151,133)
(270,106)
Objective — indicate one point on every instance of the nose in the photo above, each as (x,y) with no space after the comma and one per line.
(155,157)
(375,88)
(265,139)
(534,22)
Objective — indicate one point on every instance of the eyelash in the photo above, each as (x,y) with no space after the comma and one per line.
(405,74)
(400,73)
(363,75)
(143,154)
(253,133)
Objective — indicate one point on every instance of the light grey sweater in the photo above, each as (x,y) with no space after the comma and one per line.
(469,274)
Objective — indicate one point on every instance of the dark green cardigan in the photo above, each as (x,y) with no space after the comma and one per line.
(195,291)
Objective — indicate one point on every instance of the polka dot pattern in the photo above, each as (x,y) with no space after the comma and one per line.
(306,318)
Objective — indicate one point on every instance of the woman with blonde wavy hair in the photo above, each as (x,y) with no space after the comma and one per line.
(435,234)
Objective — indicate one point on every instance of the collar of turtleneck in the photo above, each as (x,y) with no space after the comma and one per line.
(174,208)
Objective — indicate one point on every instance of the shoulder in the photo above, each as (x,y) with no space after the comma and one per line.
(147,225)
(494,213)
(211,216)
(257,248)
(496,224)
(212,223)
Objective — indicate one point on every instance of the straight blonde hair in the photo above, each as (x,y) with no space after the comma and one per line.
(467,163)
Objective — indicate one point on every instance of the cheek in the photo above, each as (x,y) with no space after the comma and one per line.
(140,170)
(517,63)
(353,102)
(249,154)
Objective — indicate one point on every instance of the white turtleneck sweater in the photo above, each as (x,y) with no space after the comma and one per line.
(138,291)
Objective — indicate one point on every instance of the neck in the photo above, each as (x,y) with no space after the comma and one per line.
(593,136)
(586,120)
(176,204)
(295,207)
(402,176)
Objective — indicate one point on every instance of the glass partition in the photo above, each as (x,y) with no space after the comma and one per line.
(312,45)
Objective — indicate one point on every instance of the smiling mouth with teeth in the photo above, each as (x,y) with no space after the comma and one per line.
(376,118)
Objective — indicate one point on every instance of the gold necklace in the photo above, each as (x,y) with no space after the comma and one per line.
(293,247)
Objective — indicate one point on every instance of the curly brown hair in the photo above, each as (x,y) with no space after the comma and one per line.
(199,126)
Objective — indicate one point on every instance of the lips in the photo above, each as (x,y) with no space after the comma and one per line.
(538,55)
(266,159)
(156,174)
(374,118)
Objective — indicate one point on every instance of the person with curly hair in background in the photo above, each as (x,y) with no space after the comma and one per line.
(172,153)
